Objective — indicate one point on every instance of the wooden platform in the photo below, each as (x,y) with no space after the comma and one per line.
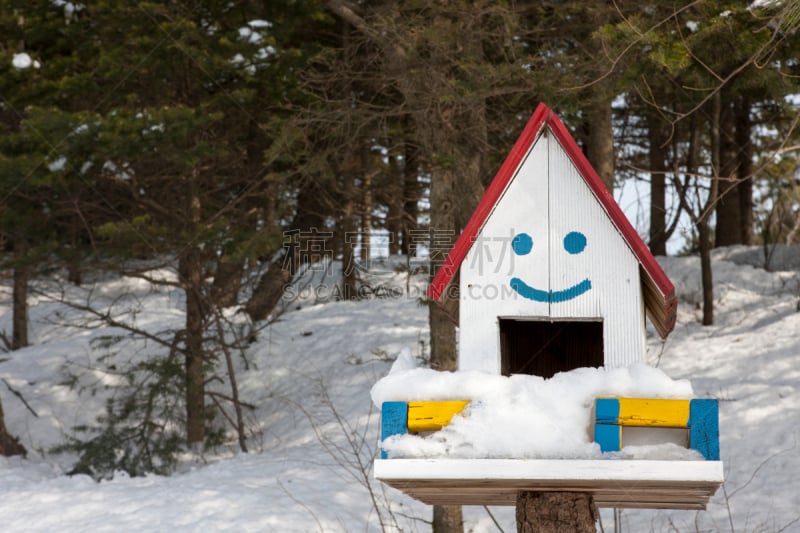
(618,483)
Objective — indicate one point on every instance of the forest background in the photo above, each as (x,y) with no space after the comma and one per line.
(237,142)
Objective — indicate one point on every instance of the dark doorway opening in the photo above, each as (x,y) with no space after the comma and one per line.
(543,348)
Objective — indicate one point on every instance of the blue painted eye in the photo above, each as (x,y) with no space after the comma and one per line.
(575,242)
(522,244)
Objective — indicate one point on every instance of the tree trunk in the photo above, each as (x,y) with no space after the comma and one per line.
(349,289)
(394,200)
(366,218)
(19,336)
(9,445)
(555,512)
(456,188)
(306,225)
(449,198)
(195,374)
(600,140)
(455,191)
(704,232)
(443,340)
(411,194)
(658,211)
(269,290)
(447,518)
(701,213)
(728,229)
(443,232)
(449,186)
(227,282)
(703,228)
(744,152)
(191,272)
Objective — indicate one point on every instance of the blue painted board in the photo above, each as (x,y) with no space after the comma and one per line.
(608,436)
(704,427)
(394,421)
(606,410)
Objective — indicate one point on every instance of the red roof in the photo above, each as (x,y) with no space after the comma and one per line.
(659,293)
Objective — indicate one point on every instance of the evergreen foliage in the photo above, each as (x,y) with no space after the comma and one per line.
(226,140)
(140,431)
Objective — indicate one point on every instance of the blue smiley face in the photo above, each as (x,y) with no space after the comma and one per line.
(574,243)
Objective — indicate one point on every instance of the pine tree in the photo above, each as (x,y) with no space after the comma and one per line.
(696,73)
(37,54)
(181,140)
(147,123)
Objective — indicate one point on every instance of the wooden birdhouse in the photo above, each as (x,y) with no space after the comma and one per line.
(552,274)
(549,276)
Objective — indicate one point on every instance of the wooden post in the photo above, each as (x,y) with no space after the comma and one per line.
(555,512)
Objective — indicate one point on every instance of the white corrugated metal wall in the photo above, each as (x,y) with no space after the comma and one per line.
(606,261)
(547,200)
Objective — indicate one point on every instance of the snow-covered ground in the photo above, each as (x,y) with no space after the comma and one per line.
(314,429)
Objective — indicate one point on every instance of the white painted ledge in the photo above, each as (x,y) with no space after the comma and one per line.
(549,469)
(612,482)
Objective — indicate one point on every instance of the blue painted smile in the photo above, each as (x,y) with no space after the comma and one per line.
(574,243)
(537,295)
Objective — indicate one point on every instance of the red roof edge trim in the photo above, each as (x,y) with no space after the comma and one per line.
(629,233)
(489,200)
(544,117)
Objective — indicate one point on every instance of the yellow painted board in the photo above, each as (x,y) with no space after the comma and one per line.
(653,412)
(432,416)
